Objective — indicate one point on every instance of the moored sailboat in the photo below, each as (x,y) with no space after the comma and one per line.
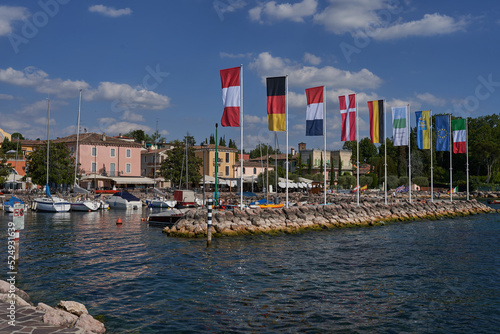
(50,203)
(81,203)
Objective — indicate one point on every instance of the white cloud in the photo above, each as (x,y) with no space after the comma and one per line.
(430,99)
(109,11)
(9,15)
(429,25)
(6,97)
(342,16)
(295,12)
(312,59)
(34,77)
(251,119)
(132,117)
(111,126)
(233,55)
(309,76)
(122,95)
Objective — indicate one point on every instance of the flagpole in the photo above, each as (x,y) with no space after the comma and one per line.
(286,128)
(409,150)
(241,137)
(357,150)
(385,153)
(276,162)
(467,151)
(432,165)
(450,139)
(324,139)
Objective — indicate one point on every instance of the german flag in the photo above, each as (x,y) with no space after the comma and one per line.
(376,109)
(276,103)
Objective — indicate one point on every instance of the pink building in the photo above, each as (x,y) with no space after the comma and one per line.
(107,157)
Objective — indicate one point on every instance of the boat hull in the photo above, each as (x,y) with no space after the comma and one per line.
(54,204)
(85,206)
(119,203)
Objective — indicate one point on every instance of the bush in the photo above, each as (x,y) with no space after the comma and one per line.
(422,181)
(365,180)
(403,181)
(392,181)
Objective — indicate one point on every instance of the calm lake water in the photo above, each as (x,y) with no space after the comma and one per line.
(434,277)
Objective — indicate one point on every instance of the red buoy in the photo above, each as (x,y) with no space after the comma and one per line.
(119,221)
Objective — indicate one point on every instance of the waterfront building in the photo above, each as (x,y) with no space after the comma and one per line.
(226,160)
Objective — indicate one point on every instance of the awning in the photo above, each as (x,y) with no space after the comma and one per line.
(132,180)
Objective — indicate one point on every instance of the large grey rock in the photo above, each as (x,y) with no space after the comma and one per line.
(90,325)
(72,307)
(59,318)
(5,288)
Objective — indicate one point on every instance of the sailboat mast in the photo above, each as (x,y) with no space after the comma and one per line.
(156,149)
(77,135)
(48,143)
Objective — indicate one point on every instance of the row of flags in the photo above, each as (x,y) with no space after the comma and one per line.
(276,108)
(447,131)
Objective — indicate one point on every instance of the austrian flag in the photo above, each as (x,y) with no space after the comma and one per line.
(459,136)
(348,115)
(231,94)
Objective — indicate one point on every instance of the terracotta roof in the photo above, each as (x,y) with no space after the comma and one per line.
(95,139)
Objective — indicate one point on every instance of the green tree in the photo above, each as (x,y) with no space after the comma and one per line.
(174,165)
(367,151)
(260,151)
(4,170)
(138,135)
(222,141)
(212,139)
(62,165)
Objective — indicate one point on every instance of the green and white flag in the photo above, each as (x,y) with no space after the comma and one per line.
(400,126)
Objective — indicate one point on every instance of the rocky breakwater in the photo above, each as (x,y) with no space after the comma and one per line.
(68,314)
(307,217)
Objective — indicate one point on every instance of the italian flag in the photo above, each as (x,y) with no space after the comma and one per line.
(459,136)
(454,190)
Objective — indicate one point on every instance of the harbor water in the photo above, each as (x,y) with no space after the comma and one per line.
(422,276)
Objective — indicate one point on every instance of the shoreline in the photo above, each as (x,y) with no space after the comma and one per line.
(301,218)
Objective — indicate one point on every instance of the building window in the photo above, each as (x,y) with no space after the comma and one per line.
(72,150)
(127,168)
(94,151)
(93,167)
(254,171)
(243,170)
(227,170)
(112,152)
(227,157)
(112,169)
(128,153)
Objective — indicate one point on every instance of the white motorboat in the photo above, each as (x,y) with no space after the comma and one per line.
(9,205)
(85,205)
(160,202)
(124,200)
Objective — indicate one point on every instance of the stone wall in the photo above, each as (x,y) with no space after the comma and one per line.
(303,217)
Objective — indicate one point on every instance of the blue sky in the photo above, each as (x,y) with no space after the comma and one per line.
(139,63)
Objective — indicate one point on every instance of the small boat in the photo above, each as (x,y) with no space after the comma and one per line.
(494,201)
(271,206)
(124,200)
(9,205)
(51,204)
(185,199)
(85,205)
(165,218)
(160,202)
